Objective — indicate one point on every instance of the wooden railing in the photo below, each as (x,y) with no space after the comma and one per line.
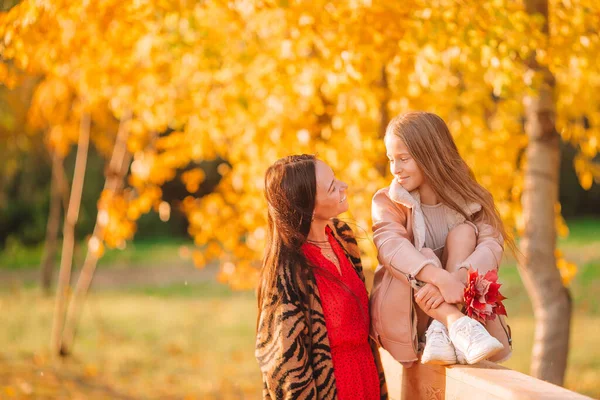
(482,381)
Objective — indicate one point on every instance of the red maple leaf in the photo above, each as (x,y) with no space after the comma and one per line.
(486,288)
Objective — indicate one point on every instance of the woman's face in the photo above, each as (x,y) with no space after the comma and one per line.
(331,193)
(404,168)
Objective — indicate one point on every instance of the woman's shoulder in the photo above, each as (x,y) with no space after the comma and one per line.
(341,228)
(289,289)
(345,235)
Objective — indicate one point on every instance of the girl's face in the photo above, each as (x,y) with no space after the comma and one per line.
(402,165)
(331,193)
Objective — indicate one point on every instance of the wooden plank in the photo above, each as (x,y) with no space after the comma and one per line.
(485,380)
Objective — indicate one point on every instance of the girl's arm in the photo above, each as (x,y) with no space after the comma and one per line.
(394,249)
(281,351)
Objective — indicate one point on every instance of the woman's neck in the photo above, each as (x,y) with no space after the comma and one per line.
(427,195)
(317,231)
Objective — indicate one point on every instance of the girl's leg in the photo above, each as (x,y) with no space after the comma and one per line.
(422,321)
(445,313)
(422,318)
(467,337)
(438,345)
(460,243)
(438,348)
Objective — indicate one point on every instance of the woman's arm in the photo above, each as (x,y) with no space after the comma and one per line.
(281,351)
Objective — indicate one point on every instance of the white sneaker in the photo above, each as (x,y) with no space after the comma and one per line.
(471,338)
(460,357)
(438,347)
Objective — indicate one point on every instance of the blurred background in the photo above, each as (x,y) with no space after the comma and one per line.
(134,137)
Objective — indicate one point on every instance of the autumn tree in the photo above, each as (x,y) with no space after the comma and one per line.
(249,82)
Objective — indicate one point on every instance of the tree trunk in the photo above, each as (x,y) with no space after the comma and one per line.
(551,300)
(58,194)
(68,245)
(117,169)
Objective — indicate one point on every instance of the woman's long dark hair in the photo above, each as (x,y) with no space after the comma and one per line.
(290,190)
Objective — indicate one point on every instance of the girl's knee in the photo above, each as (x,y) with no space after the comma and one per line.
(462,233)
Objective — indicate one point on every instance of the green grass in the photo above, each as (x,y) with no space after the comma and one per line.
(137,253)
(582,247)
(144,345)
(581,230)
(583,290)
(204,290)
(583,368)
(198,340)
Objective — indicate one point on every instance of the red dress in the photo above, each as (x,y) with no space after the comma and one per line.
(347,321)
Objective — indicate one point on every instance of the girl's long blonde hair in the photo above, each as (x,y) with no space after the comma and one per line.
(430,143)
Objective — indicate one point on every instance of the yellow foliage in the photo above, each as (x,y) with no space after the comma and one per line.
(192,179)
(199,260)
(253,81)
(114,212)
(567,270)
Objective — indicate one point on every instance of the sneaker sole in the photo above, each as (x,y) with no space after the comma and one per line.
(438,362)
(483,356)
(461,360)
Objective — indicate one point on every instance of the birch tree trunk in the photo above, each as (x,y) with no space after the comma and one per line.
(551,300)
(117,169)
(58,195)
(72,214)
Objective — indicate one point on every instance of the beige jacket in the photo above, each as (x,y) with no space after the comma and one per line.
(399,235)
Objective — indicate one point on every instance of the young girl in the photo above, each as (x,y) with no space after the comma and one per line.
(430,225)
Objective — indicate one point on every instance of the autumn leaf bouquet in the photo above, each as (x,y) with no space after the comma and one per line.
(482,297)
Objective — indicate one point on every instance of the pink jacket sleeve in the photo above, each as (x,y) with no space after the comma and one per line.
(394,249)
(489,250)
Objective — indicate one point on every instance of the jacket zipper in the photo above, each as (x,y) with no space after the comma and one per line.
(414,337)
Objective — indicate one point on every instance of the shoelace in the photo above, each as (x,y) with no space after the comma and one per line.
(437,329)
(467,329)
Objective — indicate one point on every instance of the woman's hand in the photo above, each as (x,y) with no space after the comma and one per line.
(451,287)
(429,297)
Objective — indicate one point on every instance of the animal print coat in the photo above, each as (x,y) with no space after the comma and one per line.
(294,365)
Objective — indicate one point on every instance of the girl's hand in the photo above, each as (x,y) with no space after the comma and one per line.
(462,275)
(429,297)
(451,287)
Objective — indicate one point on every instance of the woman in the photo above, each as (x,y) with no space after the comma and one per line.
(313,323)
